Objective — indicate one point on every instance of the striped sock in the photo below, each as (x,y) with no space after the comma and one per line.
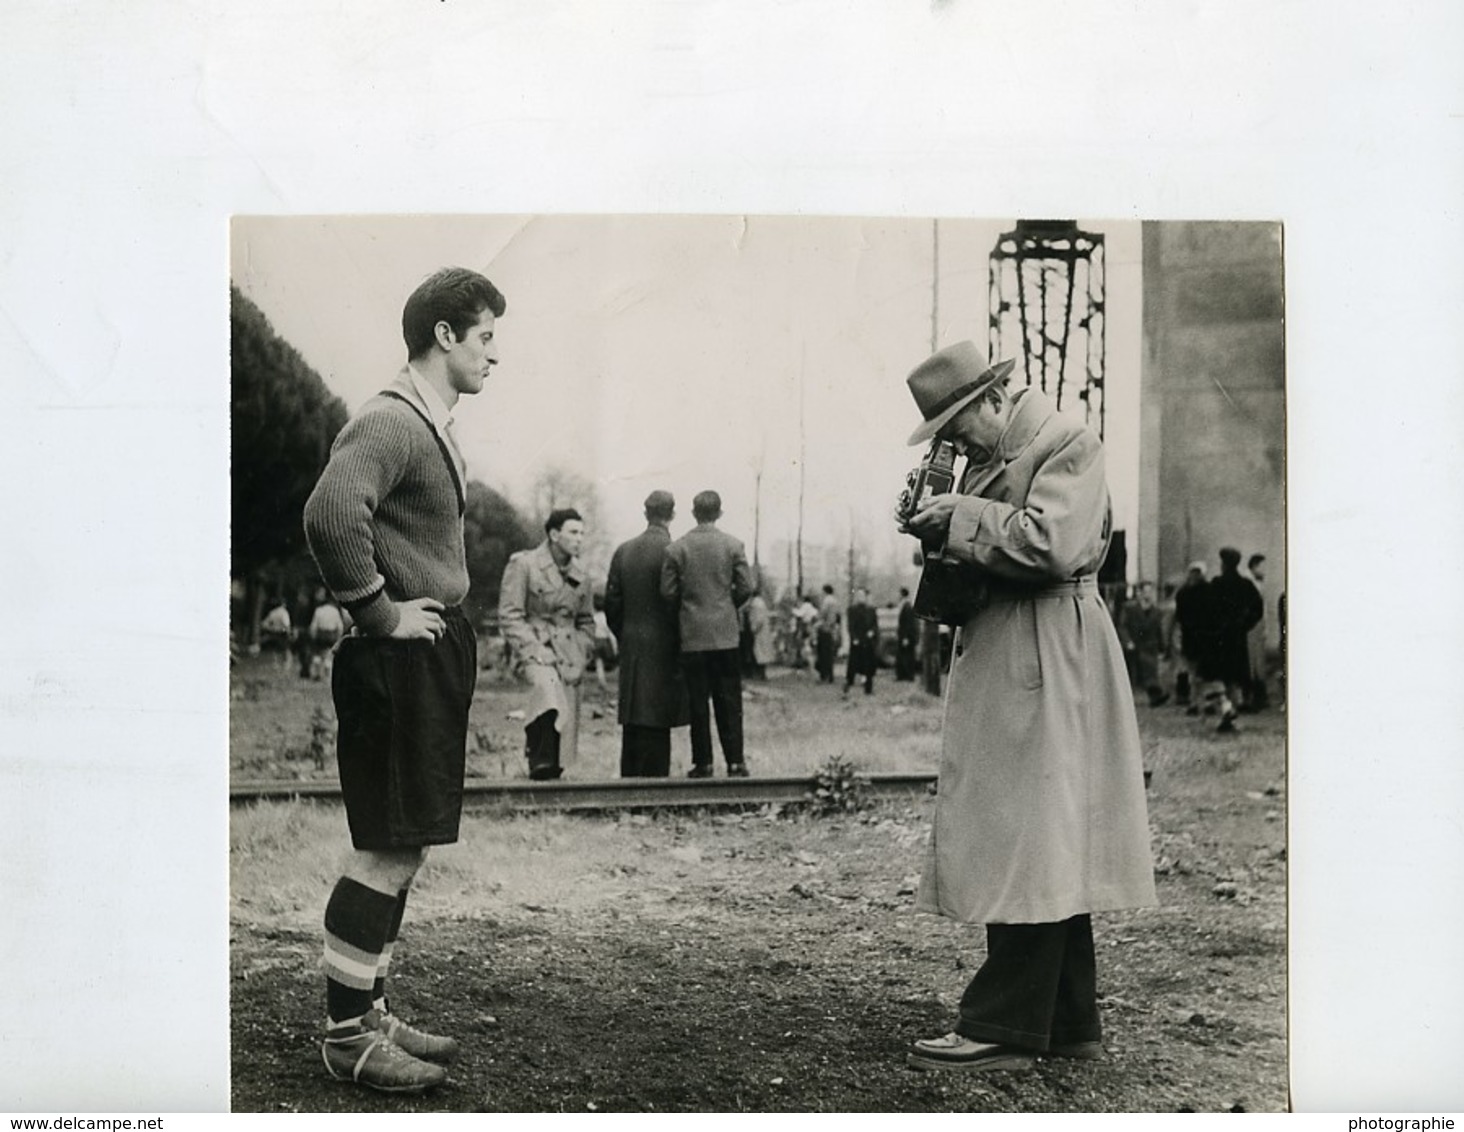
(378,988)
(357,922)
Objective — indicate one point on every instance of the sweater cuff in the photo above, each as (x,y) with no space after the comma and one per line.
(378,617)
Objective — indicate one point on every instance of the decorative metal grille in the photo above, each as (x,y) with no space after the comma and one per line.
(1046,303)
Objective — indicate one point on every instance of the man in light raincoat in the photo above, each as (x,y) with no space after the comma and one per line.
(1040,818)
(547,614)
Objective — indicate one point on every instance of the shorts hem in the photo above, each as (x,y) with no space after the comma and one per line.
(405,841)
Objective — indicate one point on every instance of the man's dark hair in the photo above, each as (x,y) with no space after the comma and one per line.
(1229,558)
(559,516)
(660,506)
(453,295)
(904,591)
(706,507)
(1254,560)
(828,589)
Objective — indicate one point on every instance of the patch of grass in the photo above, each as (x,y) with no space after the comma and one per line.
(282,727)
(278,831)
(283,859)
(286,856)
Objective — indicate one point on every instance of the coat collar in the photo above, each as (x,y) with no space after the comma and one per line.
(1031,409)
(543,561)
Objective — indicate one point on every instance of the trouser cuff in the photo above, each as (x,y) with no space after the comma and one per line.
(1069,1035)
(1001,1035)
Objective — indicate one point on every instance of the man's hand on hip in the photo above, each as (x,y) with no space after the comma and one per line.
(420,620)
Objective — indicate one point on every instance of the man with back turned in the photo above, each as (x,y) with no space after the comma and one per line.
(652,691)
(1040,819)
(707,578)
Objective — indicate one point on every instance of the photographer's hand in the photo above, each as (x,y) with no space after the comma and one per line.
(934,519)
(902,511)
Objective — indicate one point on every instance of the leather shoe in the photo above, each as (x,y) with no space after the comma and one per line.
(699,772)
(370,1058)
(956,1052)
(737,770)
(418,1043)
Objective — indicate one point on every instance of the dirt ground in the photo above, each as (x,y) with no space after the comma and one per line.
(767,960)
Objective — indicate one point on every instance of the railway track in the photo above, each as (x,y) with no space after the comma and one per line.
(615,794)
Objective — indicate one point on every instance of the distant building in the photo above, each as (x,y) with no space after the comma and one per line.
(1212,399)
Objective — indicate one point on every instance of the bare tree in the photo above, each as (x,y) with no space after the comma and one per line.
(802,467)
(557,486)
(757,478)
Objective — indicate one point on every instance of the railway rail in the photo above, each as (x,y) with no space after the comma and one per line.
(614,794)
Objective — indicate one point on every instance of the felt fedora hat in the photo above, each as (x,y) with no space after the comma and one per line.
(948,381)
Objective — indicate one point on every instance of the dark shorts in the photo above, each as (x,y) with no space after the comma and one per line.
(402,707)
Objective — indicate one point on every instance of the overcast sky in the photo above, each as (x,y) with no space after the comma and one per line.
(665,351)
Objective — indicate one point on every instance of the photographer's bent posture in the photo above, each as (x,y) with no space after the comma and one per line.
(1040,818)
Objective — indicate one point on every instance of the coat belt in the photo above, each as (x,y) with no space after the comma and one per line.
(1003,592)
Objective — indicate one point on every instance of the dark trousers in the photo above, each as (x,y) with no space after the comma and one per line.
(645,752)
(824,656)
(1037,988)
(541,745)
(861,663)
(715,675)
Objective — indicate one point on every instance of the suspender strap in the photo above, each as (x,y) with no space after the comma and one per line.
(457,482)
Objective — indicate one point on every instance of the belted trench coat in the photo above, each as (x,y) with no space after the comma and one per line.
(1040,812)
(548,617)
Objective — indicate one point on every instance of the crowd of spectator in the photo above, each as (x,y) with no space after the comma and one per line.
(308,636)
(1209,635)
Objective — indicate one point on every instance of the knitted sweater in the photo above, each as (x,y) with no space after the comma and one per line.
(385,521)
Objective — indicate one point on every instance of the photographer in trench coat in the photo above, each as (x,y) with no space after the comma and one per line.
(1040,818)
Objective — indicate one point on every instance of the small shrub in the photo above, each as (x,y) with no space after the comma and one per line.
(322,736)
(839,788)
(318,748)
